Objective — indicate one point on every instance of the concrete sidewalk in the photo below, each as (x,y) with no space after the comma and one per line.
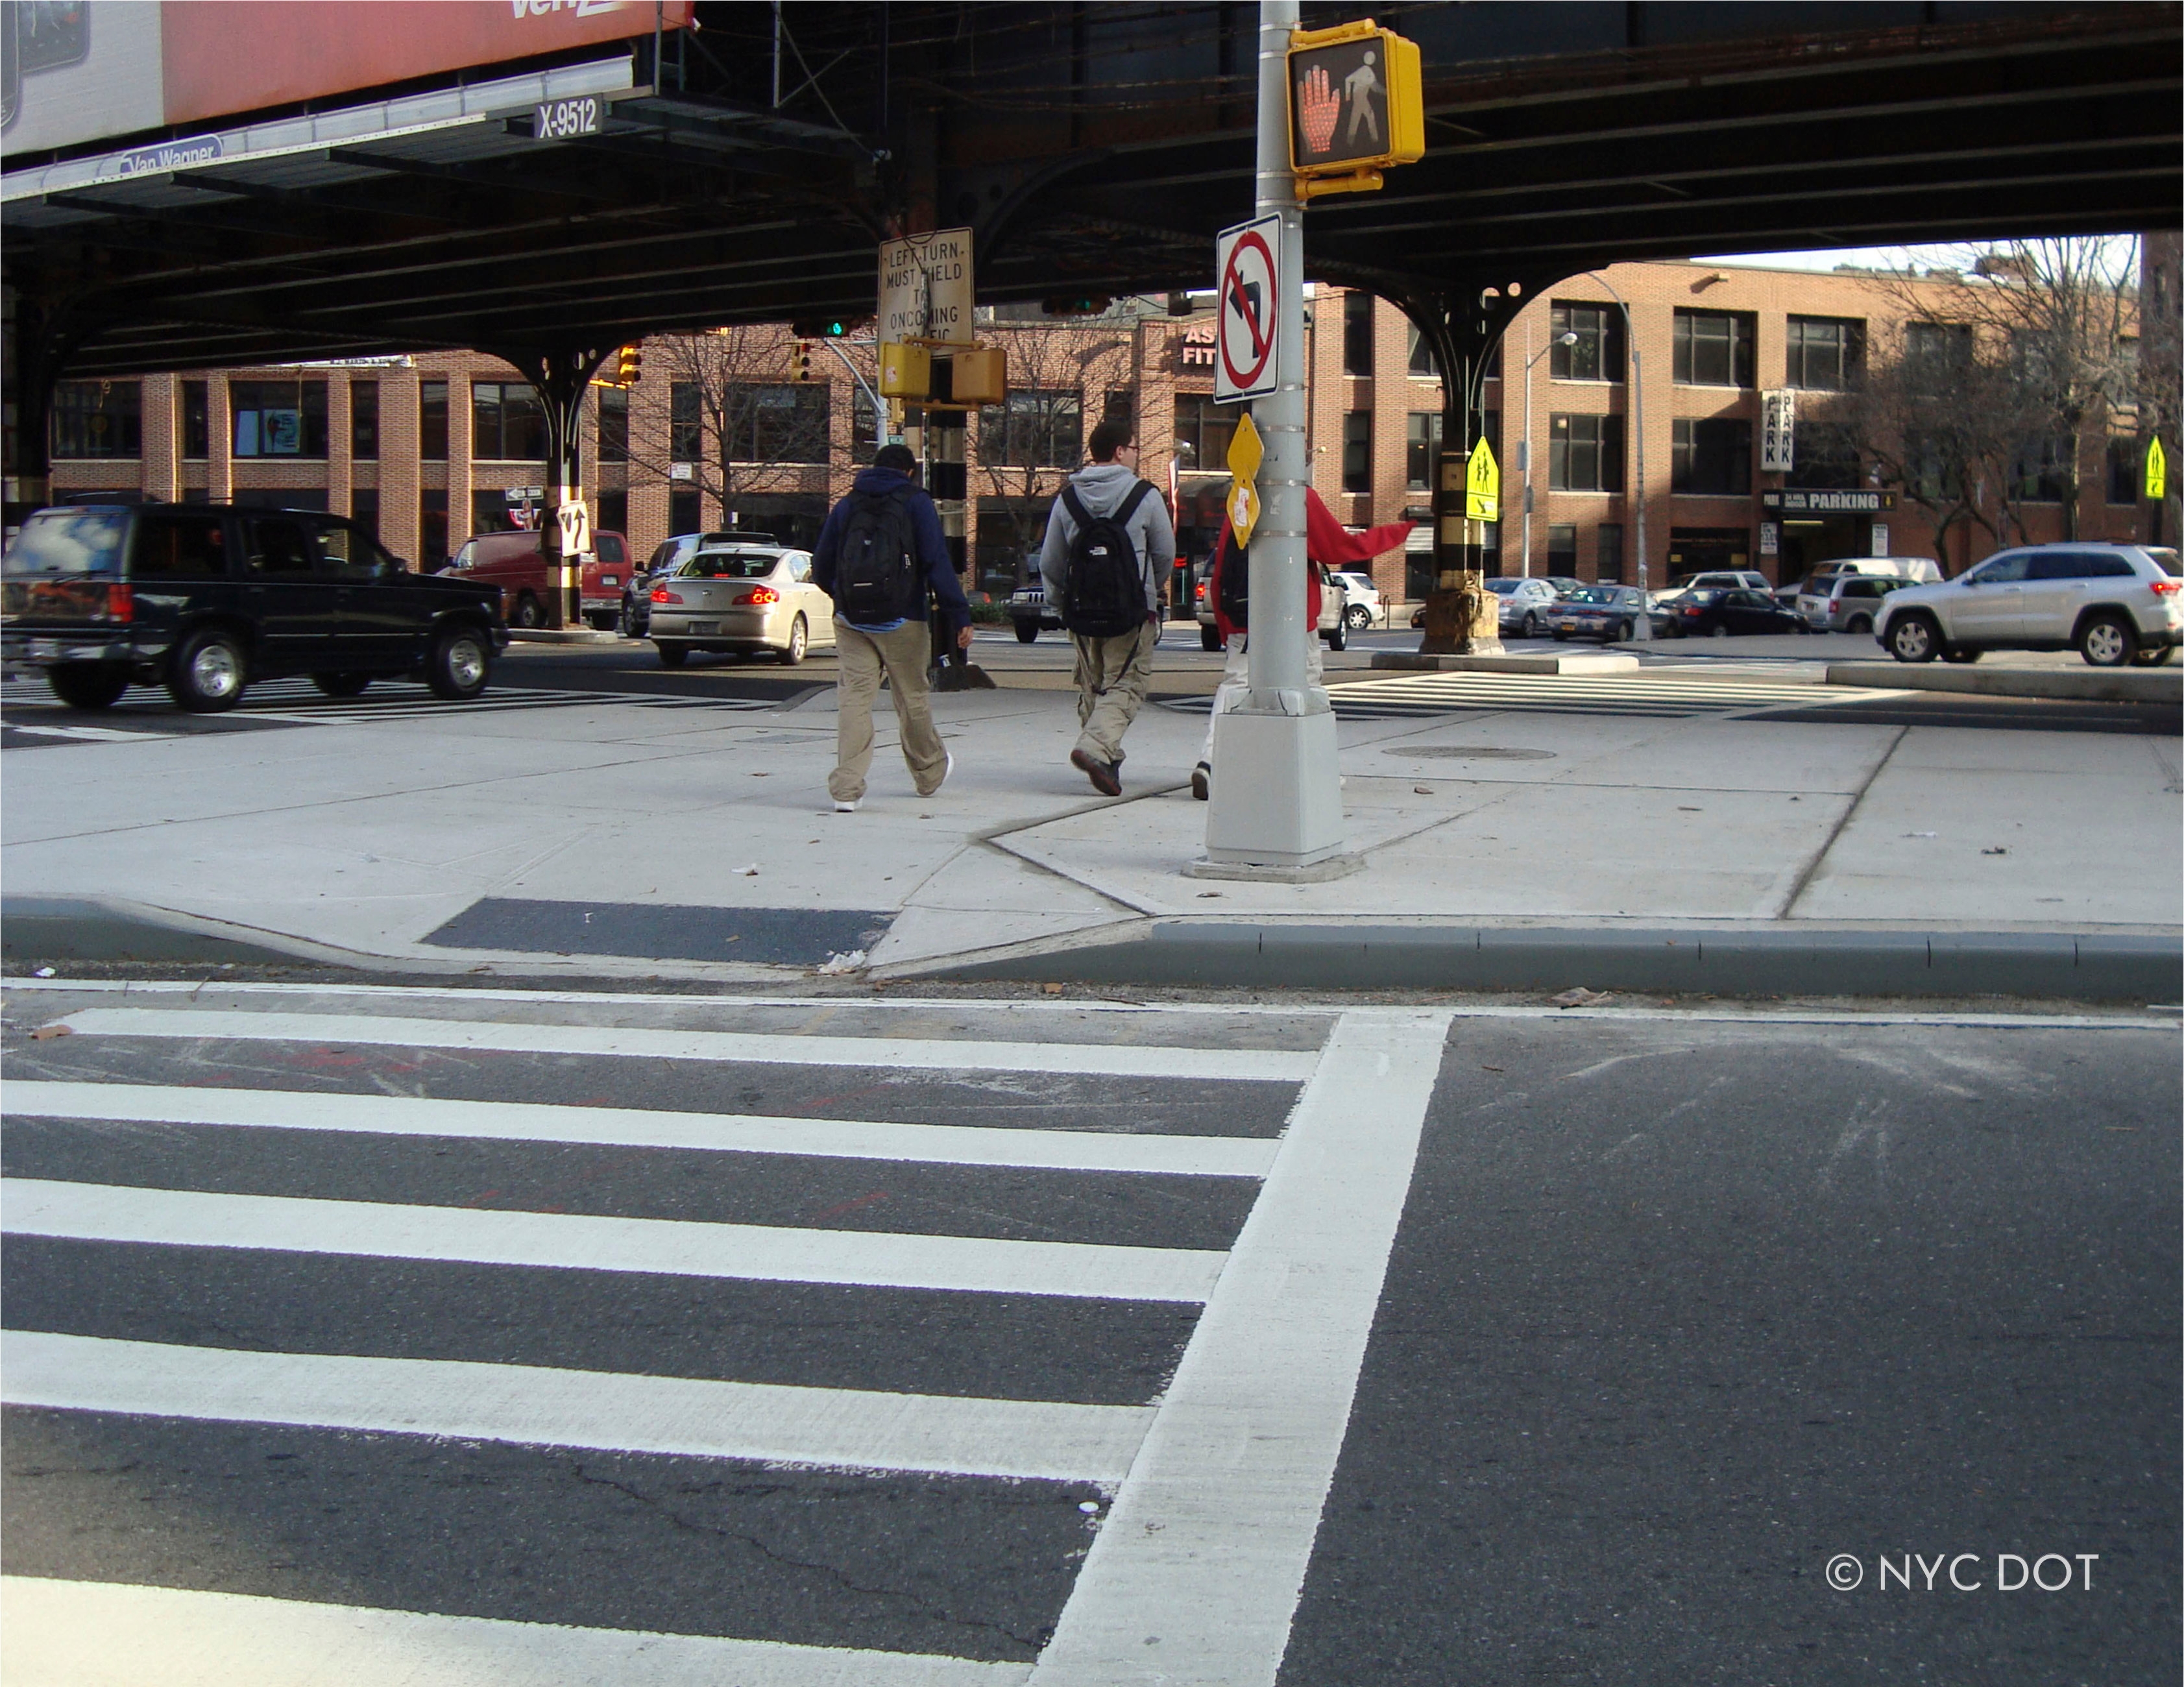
(1503,849)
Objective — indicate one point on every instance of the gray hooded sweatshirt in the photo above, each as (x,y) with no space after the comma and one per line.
(1101,488)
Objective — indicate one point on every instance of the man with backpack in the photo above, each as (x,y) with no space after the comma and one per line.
(879,555)
(1109,546)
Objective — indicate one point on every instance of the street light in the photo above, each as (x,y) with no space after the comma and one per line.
(1641,627)
(1524,445)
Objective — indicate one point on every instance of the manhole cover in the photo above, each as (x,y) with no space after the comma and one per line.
(1475,752)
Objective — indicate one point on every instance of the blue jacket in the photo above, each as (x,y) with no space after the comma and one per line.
(932,546)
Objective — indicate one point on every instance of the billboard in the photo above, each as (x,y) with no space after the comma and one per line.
(81,71)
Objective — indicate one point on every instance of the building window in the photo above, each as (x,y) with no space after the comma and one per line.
(1562,550)
(432,516)
(1036,428)
(507,424)
(1422,361)
(1824,354)
(686,428)
(2124,480)
(1598,354)
(1609,542)
(1203,431)
(1357,451)
(614,513)
(1712,457)
(279,418)
(1585,454)
(1421,440)
(1357,333)
(98,419)
(1825,457)
(684,509)
(614,423)
(364,509)
(1713,348)
(432,431)
(363,420)
(775,422)
(196,420)
(2039,473)
(1936,352)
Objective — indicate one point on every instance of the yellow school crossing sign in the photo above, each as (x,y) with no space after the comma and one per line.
(1244,451)
(1482,486)
(2157,470)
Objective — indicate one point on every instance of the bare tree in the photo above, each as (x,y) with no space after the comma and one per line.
(1030,444)
(721,402)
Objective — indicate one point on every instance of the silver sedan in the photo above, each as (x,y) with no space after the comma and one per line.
(748,599)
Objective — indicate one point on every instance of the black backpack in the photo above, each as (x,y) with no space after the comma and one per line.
(877,578)
(1104,594)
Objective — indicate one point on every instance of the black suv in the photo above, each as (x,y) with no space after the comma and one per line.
(205,598)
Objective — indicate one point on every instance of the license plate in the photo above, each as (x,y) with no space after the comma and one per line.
(44,651)
(610,580)
(696,628)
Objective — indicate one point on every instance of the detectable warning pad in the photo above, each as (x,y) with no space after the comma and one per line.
(781,937)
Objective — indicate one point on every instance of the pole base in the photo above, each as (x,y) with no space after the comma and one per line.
(1277,792)
(1318,873)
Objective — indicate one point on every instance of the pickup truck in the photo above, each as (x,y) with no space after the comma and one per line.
(515,563)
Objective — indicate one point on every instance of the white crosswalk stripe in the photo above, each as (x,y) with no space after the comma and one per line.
(1670,693)
(1256,1411)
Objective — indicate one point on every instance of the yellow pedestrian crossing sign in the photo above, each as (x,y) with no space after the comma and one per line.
(1482,486)
(2157,470)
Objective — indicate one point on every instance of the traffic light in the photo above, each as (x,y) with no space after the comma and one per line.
(1075,304)
(629,365)
(799,362)
(827,327)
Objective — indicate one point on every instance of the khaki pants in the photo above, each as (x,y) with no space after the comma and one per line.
(1111,677)
(1236,682)
(859,658)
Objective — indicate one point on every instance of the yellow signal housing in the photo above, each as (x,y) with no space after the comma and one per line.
(905,371)
(982,375)
(629,365)
(1367,75)
(799,363)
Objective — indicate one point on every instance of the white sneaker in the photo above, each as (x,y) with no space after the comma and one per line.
(947,767)
(847,808)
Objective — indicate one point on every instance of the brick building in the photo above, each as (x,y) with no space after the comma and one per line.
(431,447)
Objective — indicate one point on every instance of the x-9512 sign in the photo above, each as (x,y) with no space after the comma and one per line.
(564,120)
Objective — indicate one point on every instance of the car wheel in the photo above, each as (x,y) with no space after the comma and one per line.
(207,673)
(1961,655)
(1337,639)
(1209,638)
(1719,630)
(1027,633)
(673,655)
(1531,626)
(626,626)
(460,663)
(1914,638)
(2159,657)
(799,637)
(1859,624)
(88,685)
(342,685)
(529,613)
(1357,617)
(2108,641)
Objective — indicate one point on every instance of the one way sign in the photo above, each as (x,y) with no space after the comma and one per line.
(1246,365)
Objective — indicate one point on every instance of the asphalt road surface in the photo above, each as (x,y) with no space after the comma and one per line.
(433,1335)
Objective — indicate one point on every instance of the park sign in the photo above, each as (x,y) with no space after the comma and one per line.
(1356,106)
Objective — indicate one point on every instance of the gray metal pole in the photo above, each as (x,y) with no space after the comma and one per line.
(1279,632)
(1643,626)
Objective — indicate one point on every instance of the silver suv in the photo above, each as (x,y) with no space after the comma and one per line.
(1846,604)
(2112,603)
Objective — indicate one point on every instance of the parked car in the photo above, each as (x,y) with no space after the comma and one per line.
(206,598)
(1713,612)
(669,554)
(516,562)
(1722,579)
(1029,609)
(1363,607)
(1333,605)
(1844,603)
(1920,569)
(2114,604)
(746,598)
(1525,604)
(1607,612)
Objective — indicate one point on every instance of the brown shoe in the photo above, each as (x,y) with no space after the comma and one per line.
(1100,773)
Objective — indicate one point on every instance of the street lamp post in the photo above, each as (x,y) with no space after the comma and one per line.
(1641,627)
(1524,445)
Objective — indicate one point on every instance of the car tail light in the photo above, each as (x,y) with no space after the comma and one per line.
(761,594)
(1693,610)
(120,603)
(660,594)
(2162,587)
(1198,592)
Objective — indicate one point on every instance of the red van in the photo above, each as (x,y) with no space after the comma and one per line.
(517,563)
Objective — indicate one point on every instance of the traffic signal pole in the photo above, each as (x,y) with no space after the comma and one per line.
(1276,812)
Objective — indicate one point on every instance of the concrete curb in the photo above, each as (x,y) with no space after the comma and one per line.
(2085,685)
(1585,662)
(111,928)
(1297,956)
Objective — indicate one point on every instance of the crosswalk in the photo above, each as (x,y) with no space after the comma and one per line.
(1667,693)
(414,1335)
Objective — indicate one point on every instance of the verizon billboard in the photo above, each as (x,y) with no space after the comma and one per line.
(81,71)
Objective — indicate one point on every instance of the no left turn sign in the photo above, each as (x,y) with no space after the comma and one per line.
(1249,267)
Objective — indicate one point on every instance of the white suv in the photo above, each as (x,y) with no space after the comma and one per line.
(1363,608)
(2112,603)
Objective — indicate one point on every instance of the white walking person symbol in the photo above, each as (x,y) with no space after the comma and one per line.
(1358,87)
